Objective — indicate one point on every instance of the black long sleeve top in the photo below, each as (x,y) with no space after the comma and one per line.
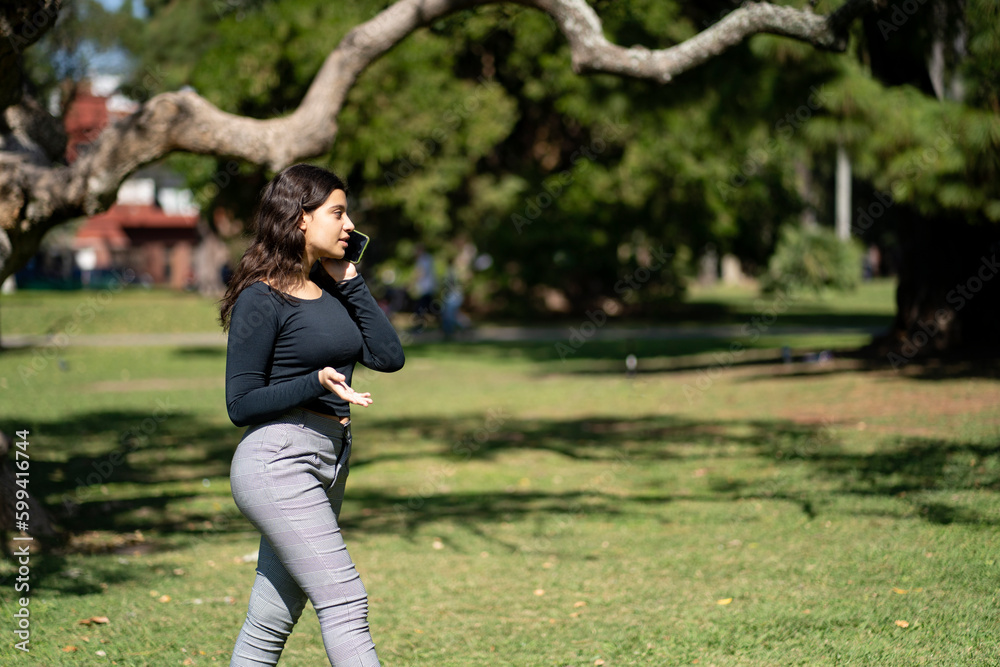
(276,347)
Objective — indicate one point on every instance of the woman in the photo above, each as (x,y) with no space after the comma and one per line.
(299,317)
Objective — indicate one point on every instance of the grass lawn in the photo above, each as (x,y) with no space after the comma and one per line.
(139,310)
(107,311)
(506,507)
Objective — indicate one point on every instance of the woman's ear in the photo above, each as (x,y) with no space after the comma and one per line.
(304,221)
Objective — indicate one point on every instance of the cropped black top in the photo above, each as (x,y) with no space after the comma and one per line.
(277,347)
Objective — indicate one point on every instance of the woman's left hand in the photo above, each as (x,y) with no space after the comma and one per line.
(334,382)
(339,269)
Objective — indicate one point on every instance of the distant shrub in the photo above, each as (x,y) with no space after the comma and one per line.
(813,259)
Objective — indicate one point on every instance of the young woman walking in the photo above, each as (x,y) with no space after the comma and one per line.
(299,317)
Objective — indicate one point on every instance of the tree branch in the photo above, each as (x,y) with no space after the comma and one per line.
(593,53)
(37,196)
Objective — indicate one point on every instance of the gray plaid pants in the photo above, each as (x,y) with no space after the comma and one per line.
(288,478)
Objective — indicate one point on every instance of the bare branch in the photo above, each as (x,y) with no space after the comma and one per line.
(593,53)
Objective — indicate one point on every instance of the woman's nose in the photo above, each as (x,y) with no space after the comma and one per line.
(348,223)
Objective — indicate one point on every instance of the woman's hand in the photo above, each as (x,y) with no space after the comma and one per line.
(335,383)
(339,269)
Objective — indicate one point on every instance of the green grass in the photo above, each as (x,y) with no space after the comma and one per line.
(106,311)
(138,310)
(876,297)
(508,507)
(872,304)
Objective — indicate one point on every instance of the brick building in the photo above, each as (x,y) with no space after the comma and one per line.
(152,227)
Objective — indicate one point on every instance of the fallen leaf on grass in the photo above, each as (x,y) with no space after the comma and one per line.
(580,603)
(539,591)
(164,598)
(724,601)
(903,624)
(899,591)
(93,619)
(69,649)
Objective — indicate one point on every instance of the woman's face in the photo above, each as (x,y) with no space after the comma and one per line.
(326,229)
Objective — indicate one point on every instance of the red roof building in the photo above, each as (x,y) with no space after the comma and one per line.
(156,245)
(135,232)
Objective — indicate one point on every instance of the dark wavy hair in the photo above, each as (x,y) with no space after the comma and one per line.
(275,254)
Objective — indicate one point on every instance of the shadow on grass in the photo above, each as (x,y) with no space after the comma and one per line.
(583,358)
(154,484)
(901,467)
(912,465)
(674,355)
(903,472)
(972,365)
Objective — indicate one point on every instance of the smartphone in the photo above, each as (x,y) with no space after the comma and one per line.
(356,245)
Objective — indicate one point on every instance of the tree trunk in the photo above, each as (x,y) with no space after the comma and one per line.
(843,199)
(948,297)
(40,525)
(210,255)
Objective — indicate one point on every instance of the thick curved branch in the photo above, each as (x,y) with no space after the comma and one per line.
(593,53)
(39,196)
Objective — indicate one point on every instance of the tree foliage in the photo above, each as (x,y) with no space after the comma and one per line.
(476,129)
(813,258)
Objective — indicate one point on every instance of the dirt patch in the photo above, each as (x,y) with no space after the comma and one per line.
(106,542)
(886,402)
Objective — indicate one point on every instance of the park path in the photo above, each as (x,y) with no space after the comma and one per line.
(482,334)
